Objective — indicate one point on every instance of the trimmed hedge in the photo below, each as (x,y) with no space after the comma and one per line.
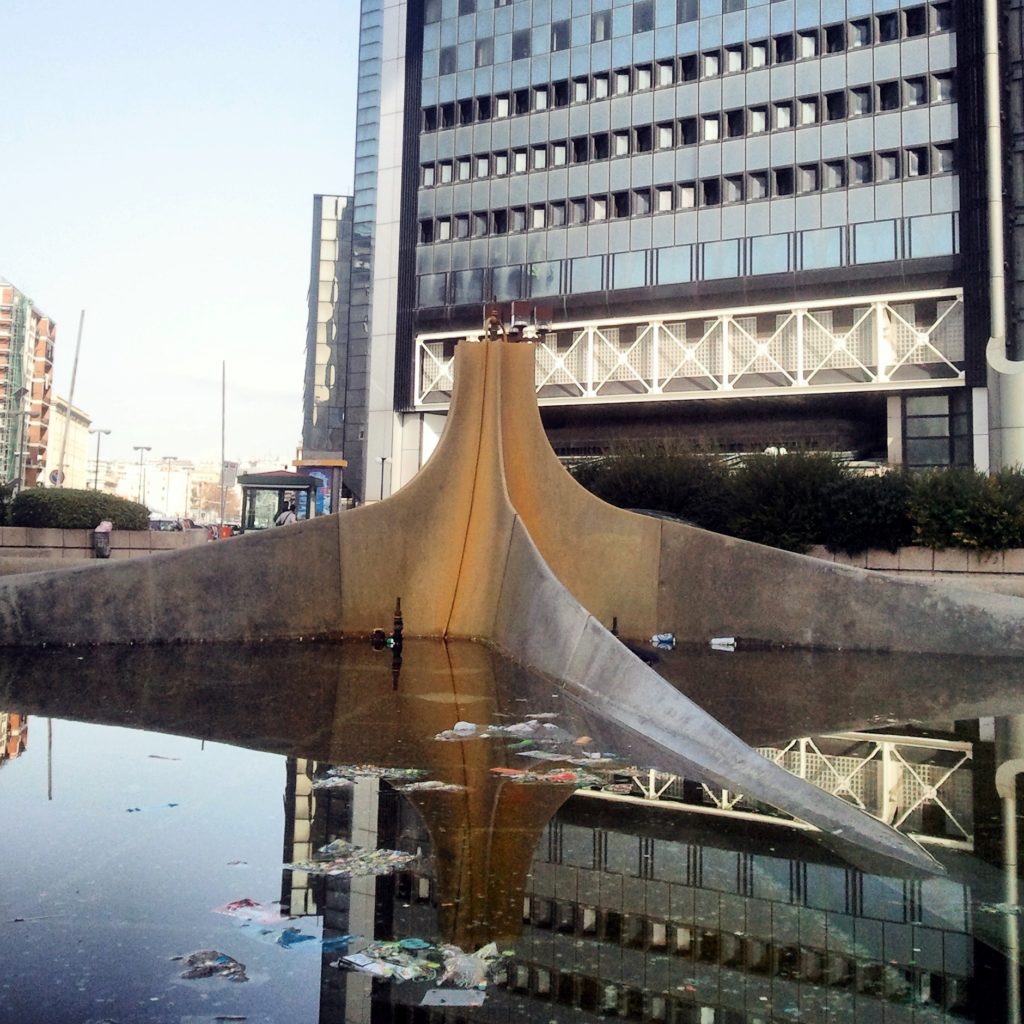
(801,499)
(70,509)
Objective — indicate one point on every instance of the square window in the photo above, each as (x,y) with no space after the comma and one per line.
(521,44)
(860,101)
(580,90)
(446,61)
(688,131)
(917,161)
(733,59)
(501,163)
(888,27)
(835,38)
(519,160)
(665,72)
(483,166)
(711,64)
(860,33)
(835,174)
(783,181)
(462,226)
(916,91)
(578,211)
(540,99)
(447,111)
(807,178)
(916,21)
(430,119)
(734,123)
(484,54)
(663,196)
(499,222)
(560,35)
(888,95)
(758,120)
(757,185)
(687,195)
(557,214)
(600,86)
(431,11)
(665,135)
(643,139)
(642,201)
(644,77)
(944,160)
(710,127)
(808,110)
(540,157)
(598,208)
(711,192)
(643,16)
(783,49)
(518,218)
(620,204)
(942,15)
(538,216)
(580,149)
(783,115)
(757,54)
(620,143)
(483,108)
(686,10)
(463,169)
(888,166)
(501,106)
(427,175)
(807,44)
(835,105)
(445,168)
(861,171)
(559,154)
(465,111)
(621,79)
(600,26)
(602,149)
(944,89)
(688,67)
(734,188)
(426,231)
(560,93)
(521,101)
(444,229)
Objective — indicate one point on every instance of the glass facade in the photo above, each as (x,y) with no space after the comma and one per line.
(596,147)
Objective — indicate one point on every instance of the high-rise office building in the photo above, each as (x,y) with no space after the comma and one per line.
(26,377)
(737,223)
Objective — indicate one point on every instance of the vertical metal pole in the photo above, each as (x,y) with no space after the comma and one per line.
(71,398)
(223,393)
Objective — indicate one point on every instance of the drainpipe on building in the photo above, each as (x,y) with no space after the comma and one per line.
(1006,375)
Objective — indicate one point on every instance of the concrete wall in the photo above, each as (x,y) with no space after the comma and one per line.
(26,549)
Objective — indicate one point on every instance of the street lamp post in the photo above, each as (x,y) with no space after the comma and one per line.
(142,449)
(99,432)
(383,460)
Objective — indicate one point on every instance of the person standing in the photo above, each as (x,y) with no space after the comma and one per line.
(287,515)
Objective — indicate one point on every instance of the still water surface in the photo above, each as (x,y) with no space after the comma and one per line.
(145,792)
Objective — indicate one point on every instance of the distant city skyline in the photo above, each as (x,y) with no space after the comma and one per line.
(167,162)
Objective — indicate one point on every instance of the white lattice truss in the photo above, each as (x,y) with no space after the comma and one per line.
(902,341)
(892,778)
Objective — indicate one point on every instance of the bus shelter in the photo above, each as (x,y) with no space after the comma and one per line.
(266,495)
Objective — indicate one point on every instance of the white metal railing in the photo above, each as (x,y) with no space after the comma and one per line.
(921,787)
(877,342)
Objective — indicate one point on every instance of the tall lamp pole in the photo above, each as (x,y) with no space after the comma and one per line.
(142,449)
(99,432)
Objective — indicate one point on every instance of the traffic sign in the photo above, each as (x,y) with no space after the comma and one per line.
(56,477)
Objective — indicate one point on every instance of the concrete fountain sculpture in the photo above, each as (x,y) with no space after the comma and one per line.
(494,541)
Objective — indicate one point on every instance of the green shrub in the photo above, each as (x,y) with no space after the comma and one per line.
(70,509)
(784,500)
(960,507)
(869,512)
(691,486)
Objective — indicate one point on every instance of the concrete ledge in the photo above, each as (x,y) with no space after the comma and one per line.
(21,545)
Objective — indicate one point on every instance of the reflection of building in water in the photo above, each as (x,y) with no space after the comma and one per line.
(640,912)
(13,735)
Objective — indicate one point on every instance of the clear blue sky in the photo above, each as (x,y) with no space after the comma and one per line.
(159,163)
